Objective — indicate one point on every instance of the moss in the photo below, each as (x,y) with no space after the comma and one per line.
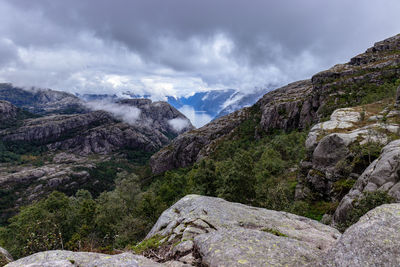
(273,231)
(343,185)
(148,244)
(313,209)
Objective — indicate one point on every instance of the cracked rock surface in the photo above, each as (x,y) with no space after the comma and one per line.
(64,258)
(373,241)
(233,234)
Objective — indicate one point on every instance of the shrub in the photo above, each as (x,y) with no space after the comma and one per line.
(365,203)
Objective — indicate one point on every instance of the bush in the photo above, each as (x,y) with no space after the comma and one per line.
(365,203)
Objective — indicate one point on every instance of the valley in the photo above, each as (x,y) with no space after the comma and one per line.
(308,169)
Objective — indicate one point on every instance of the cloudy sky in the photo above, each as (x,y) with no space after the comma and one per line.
(176,47)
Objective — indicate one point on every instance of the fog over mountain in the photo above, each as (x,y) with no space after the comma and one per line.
(177,48)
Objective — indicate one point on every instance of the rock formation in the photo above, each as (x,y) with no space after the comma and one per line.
(373,241)
(220,233)
(99,131)
(330,143)
(7,111)
(297,105)
(42,101)
(189,147)
(63,258)
(383,175)
(207,231)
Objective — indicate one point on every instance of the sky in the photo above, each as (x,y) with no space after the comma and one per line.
(177,47)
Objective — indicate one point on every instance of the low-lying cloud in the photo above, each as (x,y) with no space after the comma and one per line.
(127,114)
(179,124)
(164,48)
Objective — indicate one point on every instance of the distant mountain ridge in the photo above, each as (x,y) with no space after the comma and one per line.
(214,103)
(42,101)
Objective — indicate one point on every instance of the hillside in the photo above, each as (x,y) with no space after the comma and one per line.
(304,177)
(66,152)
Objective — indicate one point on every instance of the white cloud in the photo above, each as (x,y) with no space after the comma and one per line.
(179,124)
(128,114)
(135,46)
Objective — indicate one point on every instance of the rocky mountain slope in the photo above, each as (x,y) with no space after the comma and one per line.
(205,231)
(325,148)
(41,101)
(301,104)
(59,150)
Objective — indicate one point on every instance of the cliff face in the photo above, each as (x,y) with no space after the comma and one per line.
(99,131)
(74,144)
(298,105)
(7,111)
(187,148)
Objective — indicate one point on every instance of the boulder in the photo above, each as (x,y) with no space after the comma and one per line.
(64,258)
(373,241)
(233,234)
(329,149)
(383,174)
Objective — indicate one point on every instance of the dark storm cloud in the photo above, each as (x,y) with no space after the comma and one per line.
(179,46)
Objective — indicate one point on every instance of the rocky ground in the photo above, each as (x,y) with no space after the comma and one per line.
(206,231)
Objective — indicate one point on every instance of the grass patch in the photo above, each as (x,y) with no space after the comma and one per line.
(148,244)
(273,231)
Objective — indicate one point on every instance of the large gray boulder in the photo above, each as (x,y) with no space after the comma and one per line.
(233,234)
(332,147)
(383,174)
(373,241)
(64,258)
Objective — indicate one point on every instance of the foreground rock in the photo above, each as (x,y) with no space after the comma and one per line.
(383,174)
(373,241)
(215,232)
(64,258)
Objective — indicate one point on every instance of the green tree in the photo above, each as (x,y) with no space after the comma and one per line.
(238,179)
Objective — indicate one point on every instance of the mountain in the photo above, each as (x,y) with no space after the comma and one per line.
(309,175)
(41,101)
(210,102)
(240,100)
(201,107)
(59,148)
(218,103)
(297,105)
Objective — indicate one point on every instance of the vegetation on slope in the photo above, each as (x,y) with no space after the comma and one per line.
(247,166)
